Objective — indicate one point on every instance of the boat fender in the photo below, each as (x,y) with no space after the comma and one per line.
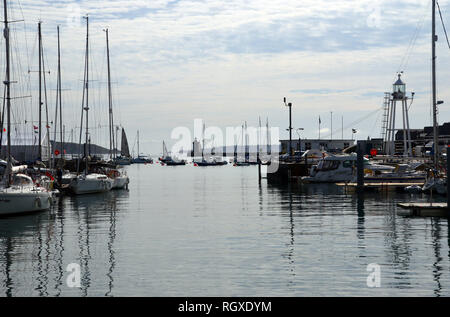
(37,202)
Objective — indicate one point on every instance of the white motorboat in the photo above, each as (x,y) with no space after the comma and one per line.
(22,196)
(339,168)
(90,184)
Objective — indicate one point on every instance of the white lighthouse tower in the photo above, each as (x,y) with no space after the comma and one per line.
(398,95)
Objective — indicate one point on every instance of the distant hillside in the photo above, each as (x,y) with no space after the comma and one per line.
(75,148)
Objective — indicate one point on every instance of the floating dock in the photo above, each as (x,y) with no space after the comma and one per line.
(379,186)
(424,209)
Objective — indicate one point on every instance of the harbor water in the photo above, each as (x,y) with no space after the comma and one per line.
(217,231)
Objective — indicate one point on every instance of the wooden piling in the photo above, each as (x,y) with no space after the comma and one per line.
(359,166)
(448,187)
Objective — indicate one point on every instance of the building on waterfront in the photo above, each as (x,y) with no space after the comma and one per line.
(329,145)
(422,139)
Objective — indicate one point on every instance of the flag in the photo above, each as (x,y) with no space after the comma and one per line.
(354,131)
(35,127)
(47,126)
(49,176)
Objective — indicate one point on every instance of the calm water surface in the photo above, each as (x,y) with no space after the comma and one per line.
(191,231)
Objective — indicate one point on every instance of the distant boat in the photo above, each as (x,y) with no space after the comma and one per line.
(166,159)
(213,161)
(124,158)
(141,159)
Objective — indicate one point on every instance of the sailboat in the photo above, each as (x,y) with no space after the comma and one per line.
(87,183)
(436,181)
(213,161)
(18,193)
(141,159)
(120,179)
(236,161)
(168,160)
(125,157)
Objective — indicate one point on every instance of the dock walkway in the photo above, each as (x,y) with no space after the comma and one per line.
(424,209)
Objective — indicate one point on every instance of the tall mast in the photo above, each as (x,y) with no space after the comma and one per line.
(87,95)
(40,91)
(60,100)
(111,121)
(433,83)
(8,94)
(138,143)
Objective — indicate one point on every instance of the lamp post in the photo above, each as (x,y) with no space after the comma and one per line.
(299,140)
(353,132)
(290,125)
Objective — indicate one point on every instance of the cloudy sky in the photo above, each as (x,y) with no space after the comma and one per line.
(235,60)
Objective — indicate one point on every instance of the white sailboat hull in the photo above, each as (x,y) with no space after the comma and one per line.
(17,201)
(120,182)
(90,184)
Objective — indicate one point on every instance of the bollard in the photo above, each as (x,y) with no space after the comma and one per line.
(359,166)
(259,171)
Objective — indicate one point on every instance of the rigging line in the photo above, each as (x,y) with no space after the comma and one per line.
(412,42)
(352,124)
(443,25)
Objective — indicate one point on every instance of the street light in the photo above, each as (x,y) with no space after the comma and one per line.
(299,141)
(290,124)
(353,132)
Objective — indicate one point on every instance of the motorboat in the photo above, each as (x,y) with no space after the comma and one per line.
(339,168)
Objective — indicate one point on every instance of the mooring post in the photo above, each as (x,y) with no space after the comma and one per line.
(359,166)
(259,171)
(448,186)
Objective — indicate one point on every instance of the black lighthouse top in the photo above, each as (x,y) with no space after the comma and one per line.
(399,89)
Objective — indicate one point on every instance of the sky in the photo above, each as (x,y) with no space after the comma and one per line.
(232,61)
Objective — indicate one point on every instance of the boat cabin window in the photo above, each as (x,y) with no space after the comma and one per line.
(329,165)
(347,164)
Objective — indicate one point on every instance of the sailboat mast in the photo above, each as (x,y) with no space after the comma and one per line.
(87,94)
(138,143)
(8,93)
(60,99)
(40,91)
(268,137)
(433,83)
(111,122)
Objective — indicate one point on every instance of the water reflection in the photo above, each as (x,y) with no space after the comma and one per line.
(436,242)
(38,241)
